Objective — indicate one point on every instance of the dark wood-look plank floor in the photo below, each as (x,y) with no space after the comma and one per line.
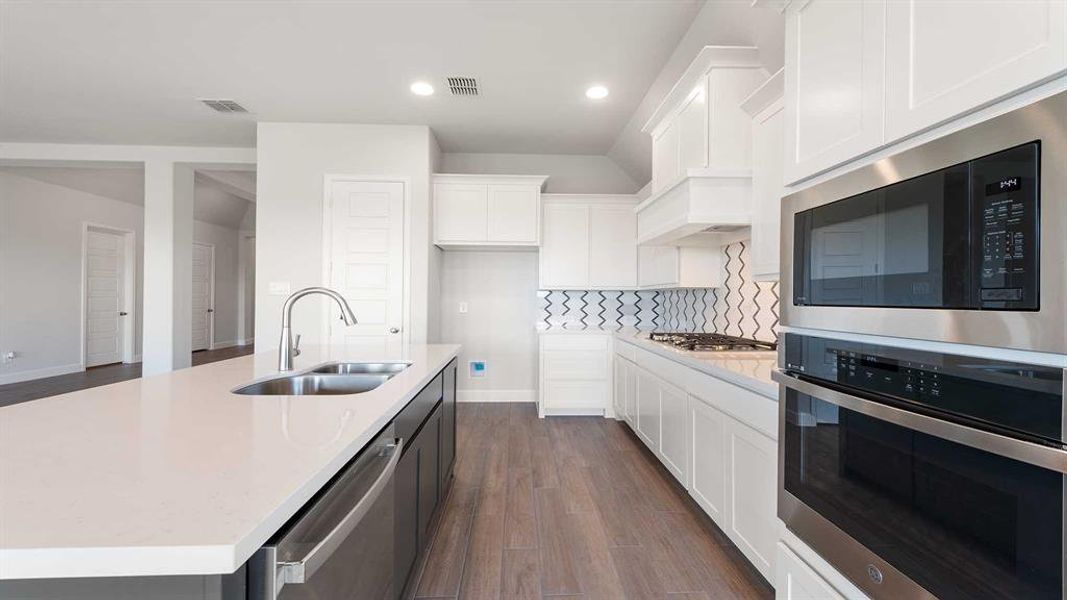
(572,507)
(13,393)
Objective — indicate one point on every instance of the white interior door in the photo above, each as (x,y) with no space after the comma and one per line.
(104,297)
(203,305)
(366,224)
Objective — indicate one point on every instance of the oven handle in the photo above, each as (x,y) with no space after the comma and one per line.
(1028,452)
(301,570)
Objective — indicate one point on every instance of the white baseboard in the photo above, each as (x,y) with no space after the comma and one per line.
(246,341)
(41,373)
(221,345)
(136,359)
(496,395)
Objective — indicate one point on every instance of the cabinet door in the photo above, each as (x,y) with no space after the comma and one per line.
(752,463)
(947,57)
(514,213)
(564,254)
(460,212)
(768,130)
(406,519)
(657,266)
(619,393)
(665,157)
(612,247)
(448,425)
(795,580)
(833,83)
(708,475)
(428,443)
(631,394)
(648,411)
(673,441)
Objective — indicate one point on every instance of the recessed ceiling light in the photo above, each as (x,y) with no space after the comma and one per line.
(421,88)
(596,92)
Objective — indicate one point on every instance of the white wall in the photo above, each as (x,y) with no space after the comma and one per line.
(292,161)
(568,173)
(433,286)
(500,289)
(41,270)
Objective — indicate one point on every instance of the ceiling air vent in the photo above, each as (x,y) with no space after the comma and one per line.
(463,86)
(223,106)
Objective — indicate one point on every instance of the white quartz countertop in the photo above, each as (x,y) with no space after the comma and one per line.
(173,474)
(750,370)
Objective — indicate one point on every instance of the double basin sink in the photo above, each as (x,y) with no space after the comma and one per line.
(329,379)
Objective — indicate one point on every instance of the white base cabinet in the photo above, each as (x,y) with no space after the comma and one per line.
(714,437)
(575,374)
(795,580)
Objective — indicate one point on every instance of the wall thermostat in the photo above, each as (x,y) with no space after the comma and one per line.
(477,368)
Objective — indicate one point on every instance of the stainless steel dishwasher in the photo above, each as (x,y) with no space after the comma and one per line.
(341,546)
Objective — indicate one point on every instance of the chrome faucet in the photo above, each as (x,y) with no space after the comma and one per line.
(288,350)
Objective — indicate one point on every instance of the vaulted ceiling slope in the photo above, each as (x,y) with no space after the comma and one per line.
(131,72)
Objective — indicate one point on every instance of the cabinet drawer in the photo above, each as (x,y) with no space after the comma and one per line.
(575,395)
(574,342)
(575,365)
(409,419)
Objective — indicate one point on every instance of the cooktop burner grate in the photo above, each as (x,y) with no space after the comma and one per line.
(711,342)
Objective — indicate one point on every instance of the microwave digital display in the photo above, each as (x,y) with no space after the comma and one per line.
(964,237)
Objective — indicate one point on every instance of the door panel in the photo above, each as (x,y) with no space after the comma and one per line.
(708,429)
(367,263)
(612,247)
(564,256)
(648,411)
(104,298)
(673,439)
(752,467)
(936,72)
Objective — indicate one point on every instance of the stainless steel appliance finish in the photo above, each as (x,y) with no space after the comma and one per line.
(312,384)
(361,368)
(711,342)
(342,546)
(903,465)
(287,349)
(1043,330)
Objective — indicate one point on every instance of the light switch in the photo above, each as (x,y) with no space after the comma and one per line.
(462,308)
(279,288)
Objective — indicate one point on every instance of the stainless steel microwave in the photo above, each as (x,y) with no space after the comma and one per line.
(962,239)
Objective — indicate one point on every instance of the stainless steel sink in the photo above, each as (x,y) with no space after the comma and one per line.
(363,368)
(314,384)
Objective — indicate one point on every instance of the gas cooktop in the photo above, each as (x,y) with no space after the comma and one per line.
(711,342)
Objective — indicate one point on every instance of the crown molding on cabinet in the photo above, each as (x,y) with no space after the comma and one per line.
(772,90)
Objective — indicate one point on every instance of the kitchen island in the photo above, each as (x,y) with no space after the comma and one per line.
(175,475)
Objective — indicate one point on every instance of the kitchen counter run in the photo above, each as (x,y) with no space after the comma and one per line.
(750,370)
(174,475)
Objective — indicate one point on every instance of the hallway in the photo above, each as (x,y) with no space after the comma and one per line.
(572,507)
(13,393)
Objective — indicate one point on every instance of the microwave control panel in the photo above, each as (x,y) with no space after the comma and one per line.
(1005,207)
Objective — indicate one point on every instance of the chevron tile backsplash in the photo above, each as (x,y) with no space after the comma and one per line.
(741,307)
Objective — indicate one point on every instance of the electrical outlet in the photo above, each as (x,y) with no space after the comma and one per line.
(279,288)
(462,308)
(9,356)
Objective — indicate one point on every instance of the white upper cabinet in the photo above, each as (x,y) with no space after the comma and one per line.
(663,267)
(767,108)
(487,210)
(947,57)
(834,60)
(589,242)
(701,155)
(864,74)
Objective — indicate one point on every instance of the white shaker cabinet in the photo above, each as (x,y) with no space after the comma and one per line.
(674,441)
(647,405)
(947,57)
(834,64)
(707,428)
(752,467)
(666,267)
(767,108)
(575,373)
(795,580)
(487,210)
(589,242)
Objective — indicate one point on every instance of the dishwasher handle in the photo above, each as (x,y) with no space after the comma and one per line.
(299,571)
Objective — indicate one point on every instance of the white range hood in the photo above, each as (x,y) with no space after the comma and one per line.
(701,151)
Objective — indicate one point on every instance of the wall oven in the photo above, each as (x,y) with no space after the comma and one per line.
(961,239)
(921,474)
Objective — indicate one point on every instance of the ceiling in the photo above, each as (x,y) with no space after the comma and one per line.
(131,72)
(212,202)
